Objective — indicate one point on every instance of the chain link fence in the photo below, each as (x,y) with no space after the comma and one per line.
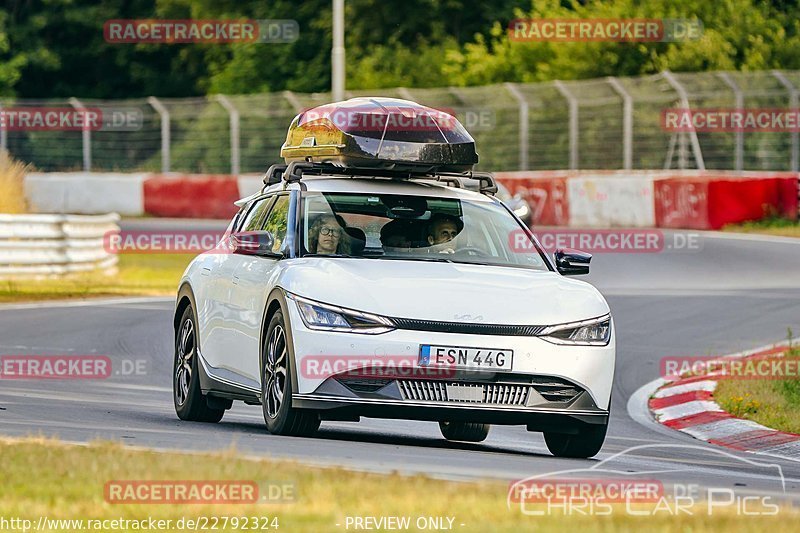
(609,123)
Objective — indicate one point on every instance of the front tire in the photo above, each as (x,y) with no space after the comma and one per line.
(190,404)
(464,431)
(276,385)
(585,444)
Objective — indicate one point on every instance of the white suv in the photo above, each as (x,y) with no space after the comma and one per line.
(336,295)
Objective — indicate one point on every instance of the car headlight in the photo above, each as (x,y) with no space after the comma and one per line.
(593,332)
(326,317)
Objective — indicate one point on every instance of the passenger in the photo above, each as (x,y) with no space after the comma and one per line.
(443,229)
(327,236)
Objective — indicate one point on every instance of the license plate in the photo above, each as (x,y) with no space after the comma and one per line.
(467,358)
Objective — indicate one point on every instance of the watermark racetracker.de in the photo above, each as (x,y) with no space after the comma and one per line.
(184,31)
(728,120)
(170,242)
(68,367)
(187,492)
(604,29)
(29,118)
(631,241)
(768,367)
(378,366)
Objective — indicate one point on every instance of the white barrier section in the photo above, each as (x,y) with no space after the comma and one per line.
(250,184)
(42,245)
(611,200)
(85,192)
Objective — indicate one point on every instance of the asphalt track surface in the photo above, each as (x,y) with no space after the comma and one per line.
(728,294)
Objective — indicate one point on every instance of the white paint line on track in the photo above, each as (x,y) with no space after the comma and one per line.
(127,386)
(86,398)
(639,411)
(93,302)
(685,409)
(666,392)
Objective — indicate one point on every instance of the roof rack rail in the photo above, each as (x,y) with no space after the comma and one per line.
(295,171)
(273,175)
(487,186)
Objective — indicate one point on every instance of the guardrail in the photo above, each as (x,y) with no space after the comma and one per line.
(42,245)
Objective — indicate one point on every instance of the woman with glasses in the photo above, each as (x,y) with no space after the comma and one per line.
(327,236)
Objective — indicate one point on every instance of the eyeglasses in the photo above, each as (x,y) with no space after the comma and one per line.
(325,230)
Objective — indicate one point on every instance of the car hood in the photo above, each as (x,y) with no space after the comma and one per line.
(451,292)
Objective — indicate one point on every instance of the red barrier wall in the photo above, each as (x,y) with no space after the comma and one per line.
(546,195)
(710,202)
(191,196)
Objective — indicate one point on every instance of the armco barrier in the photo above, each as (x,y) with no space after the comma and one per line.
(191,195)
(55,244)
(691,199)
(710,202)
(546,193)
(85,192)
(607,201)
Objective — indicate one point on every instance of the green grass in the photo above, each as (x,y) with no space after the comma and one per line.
(45,478)
(772,403)
(138,275)
(782,227)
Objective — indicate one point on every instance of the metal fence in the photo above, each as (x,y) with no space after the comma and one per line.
(608,123)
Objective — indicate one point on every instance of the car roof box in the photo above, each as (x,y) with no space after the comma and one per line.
(381,133)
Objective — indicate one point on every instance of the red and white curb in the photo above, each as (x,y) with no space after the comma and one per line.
(687,404)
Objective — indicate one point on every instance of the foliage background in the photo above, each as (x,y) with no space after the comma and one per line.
(55,48)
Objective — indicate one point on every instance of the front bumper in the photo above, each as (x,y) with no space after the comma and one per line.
(528,394)
(541,404)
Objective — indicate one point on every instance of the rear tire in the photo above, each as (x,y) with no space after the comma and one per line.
(190,404)
(276,385)
(585,444)
(464,431)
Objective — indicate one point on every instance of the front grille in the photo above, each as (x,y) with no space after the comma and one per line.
(364,384)
(488,393)
(466,328)
(555,389)
(423,390)
(505,394)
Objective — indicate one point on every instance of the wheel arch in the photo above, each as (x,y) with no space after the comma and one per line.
(184,299)
(275,301)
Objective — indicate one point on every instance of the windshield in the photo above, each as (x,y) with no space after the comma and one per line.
(417,228)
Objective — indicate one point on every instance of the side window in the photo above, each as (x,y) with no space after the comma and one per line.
(256,214)
(277,222)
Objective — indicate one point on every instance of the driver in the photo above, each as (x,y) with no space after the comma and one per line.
(443,228)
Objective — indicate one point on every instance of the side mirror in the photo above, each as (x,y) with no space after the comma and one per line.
(253,243)
(572,262)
